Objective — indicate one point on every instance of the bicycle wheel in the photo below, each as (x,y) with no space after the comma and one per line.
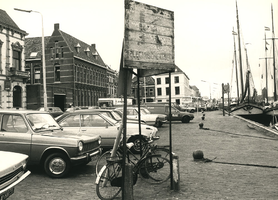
(164,152)
(101,161)
(109,181)
(155,169)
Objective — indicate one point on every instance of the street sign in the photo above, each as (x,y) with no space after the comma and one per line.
(149,39)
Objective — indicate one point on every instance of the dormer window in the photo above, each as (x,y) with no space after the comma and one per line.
(95,54)
(87,51)
(77,47)
(33,54)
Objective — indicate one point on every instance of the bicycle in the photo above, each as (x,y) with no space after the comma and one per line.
(132,158)
(152,168)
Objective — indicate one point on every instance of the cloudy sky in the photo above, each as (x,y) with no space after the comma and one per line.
(204,45)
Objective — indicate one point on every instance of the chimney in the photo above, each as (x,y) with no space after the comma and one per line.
(56,27)
(93,46)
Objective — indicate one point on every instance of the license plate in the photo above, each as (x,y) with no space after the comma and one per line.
(6,194)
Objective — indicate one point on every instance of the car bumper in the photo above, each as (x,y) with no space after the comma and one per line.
(7,191)
(86,157)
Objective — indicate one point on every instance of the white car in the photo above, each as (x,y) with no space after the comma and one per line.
(12,171)
(92,123)
(156,120)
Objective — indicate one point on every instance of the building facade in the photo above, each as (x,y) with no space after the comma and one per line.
(146,89)
(180,90)
(75,72)
(12,66)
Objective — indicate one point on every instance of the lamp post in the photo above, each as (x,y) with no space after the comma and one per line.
(43,58)
(209,88)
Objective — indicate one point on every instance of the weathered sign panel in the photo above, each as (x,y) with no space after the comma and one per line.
(149,39)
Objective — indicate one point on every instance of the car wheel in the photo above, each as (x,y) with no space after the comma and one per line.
(136,141)
(57,165)
(158,123)
(185,119)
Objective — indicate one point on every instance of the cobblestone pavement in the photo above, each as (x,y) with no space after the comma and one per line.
(245,166)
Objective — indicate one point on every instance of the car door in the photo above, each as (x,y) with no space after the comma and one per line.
(71,123)
(94,124)
(15,135)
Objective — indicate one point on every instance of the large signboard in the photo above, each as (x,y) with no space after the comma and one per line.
(149,39)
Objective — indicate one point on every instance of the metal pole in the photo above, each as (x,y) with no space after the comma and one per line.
(170,132)
(273,47)
(44,70)
(43,58)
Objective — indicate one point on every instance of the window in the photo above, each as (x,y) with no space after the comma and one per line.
(37,75)
(28,70)
(158,81)
(1,56)
(167,91)
(177,79)
(151,92)
(16,60)
(56,50)
(33,54)
(159,92)
(177,90)
(92,121)
(17,97)
(71,121)
(57,73)
(167,80)
(13,123)
(62,51)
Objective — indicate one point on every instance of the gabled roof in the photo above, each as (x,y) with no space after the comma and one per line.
(93,56)
(194,88)
(6,21)
(177,69)
(33,45)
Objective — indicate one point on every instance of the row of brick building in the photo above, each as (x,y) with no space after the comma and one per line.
(75,72)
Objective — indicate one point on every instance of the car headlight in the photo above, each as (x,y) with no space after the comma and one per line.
(80,146)
(99,140)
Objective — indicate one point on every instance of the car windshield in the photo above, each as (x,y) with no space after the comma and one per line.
(116,116)
(109,119)
(42,121)
(146,111)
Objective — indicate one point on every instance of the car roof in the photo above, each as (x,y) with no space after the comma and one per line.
(14,111)
(83,111)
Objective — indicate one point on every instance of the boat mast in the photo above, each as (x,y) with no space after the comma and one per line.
(273,47)
(240,59)
(234,33)
(266,79)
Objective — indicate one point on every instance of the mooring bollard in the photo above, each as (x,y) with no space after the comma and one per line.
(176,173)
(128,190)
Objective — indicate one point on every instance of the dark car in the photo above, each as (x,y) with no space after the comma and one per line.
(38,135)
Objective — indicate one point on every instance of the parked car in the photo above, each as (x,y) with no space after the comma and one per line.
(129,120)
(163,108)
(12,172)
(54,111)
(186,108)
(156,119)
(91,122)
(38,135)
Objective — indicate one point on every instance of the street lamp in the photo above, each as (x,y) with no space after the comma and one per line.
(43,58)
(209,88)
